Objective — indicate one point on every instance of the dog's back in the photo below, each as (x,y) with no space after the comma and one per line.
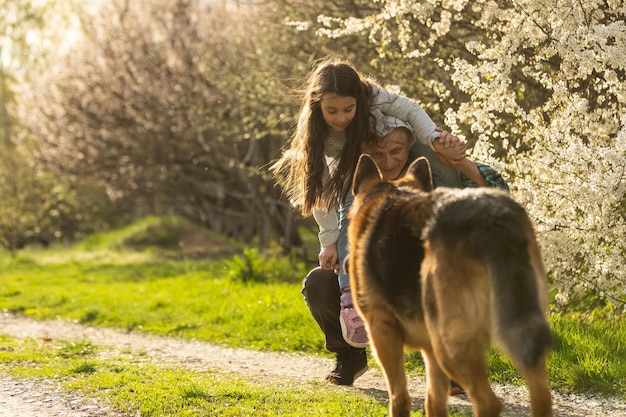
(443,271)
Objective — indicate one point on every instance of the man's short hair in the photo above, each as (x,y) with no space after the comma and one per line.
(387,123)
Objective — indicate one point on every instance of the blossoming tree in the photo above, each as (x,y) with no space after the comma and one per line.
(546,88)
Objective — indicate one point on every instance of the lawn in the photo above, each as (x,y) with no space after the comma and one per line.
(249,300)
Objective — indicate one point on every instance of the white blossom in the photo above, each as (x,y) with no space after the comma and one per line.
(572,175)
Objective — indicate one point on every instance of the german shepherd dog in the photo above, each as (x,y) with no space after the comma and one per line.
(444,271)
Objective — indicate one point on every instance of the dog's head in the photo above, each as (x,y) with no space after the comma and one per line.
(368,178)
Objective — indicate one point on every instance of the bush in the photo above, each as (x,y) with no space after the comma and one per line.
(253,266)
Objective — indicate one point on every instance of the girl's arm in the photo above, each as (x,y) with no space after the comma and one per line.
(387,102)
(328,223)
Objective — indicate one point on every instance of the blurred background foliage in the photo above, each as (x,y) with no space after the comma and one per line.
(113,111)
(124,109)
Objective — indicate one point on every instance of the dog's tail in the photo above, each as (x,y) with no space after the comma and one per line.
(521,327)
(520,296)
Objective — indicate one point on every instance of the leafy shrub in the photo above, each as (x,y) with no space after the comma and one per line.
(253,266)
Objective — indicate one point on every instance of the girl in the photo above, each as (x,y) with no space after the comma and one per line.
(337,119)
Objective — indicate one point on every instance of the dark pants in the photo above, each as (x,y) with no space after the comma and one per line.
(321,292)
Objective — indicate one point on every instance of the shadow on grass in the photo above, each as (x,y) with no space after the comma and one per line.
(511,408)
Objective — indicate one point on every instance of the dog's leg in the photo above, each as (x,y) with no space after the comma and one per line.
(456,300)
(470,370)
(537,382)
(388,347)
(437,387)
(463,359)
(462,356)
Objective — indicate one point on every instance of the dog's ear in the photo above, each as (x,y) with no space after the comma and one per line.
(366,172)
(419,174)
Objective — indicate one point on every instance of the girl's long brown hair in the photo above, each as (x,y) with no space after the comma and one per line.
(302,170)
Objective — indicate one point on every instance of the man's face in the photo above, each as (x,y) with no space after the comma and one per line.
(391,153)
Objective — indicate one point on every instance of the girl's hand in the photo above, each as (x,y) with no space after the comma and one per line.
(455,153)
(328,257)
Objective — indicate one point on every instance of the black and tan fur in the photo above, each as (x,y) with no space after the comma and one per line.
(446,271)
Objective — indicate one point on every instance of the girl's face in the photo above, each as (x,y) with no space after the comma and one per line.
(338,111)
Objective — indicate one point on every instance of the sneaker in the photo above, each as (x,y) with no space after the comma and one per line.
(352,326)
(349,367)
(456,388)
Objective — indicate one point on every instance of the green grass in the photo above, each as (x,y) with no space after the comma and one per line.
(148,390)
(172,298)
(156,391)
(251,300)
(589,356)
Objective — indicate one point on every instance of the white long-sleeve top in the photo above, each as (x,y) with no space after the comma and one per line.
(384,102)
(407,110)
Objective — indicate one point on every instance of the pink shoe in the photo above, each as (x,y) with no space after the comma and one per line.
(352,326)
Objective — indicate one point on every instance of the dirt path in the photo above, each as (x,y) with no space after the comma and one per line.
(43,399)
